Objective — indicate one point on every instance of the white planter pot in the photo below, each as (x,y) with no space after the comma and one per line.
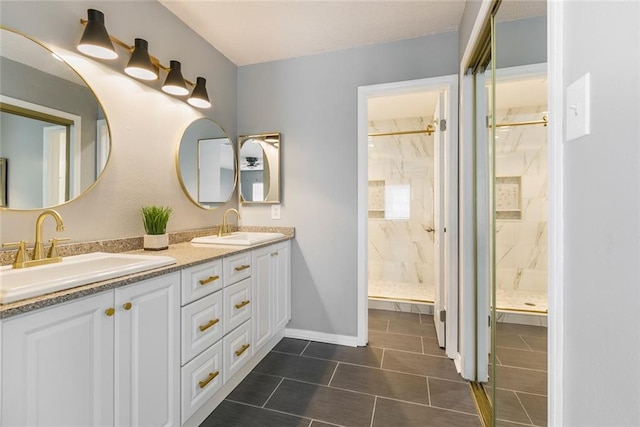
(156,242)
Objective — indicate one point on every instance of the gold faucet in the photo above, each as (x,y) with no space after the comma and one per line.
(38,248)
(223,230)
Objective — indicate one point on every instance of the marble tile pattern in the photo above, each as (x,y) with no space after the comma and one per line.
(521,245)
(186,255)
(401,250)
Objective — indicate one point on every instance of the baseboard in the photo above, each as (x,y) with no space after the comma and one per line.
(535,319)
(321,337)
(404,306)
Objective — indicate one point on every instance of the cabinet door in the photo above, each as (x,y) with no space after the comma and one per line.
(261,310)
(57,365)
(148,353)
(281,276)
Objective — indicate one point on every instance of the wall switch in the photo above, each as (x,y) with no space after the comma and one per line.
(275,211)
(578,111)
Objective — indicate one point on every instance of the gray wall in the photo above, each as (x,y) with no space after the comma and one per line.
(146,125)
(521,42)
(313,101)
(602,219)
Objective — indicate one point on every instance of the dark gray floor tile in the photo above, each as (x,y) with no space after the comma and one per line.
(431,346)
(378,324)
(291,345)
(509,408)
(395,341)
(238,415)
(411,388)
(511,341)
(420,364)
(536,343)
(367,356)
(412,328)
(519,379)
(426,318)
(393,315)
(536,407)
(323,403)
(516,329)
(297,367)
(522,358)
(451,395)
(255,389)
(401,414)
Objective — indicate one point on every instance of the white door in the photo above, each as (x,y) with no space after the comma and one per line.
(281,255)
(58,365)
(54,153)
(439,140)
(148,364)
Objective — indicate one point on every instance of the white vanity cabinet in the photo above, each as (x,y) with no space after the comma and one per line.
(108,359)
(271,290)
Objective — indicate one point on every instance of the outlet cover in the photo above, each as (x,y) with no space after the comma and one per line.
(578,111)
(275,211)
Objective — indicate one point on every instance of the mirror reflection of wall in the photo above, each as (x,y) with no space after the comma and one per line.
(206,164)
(260,168)
(53,132)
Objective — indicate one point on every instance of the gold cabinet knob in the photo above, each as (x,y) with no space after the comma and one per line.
(110,311)
(127,306)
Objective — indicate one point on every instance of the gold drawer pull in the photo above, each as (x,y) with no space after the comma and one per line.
(110,311)
(242,304)
(274,254)
(127,306)
(208,325)
(209,280)
(210,378)
(242,267)
(243,349)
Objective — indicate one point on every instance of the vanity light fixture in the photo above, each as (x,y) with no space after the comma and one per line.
(96,42)
(140,65)
(174,84)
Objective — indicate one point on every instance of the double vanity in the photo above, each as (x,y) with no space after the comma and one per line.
(161,344)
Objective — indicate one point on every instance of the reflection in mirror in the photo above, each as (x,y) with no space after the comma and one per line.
(260,168)
(206,164)
(54,138)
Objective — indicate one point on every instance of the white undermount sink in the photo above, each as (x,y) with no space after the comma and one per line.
(239,238)
(77,270)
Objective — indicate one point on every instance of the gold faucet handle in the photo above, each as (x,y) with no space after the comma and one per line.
(53,249)
(21,254)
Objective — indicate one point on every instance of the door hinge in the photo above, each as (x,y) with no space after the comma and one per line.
(443,125)
(443,316)
(489,318)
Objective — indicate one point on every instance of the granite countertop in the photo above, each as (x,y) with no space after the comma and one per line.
(185,254)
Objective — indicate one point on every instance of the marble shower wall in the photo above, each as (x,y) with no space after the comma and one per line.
(400,249)
(521,244)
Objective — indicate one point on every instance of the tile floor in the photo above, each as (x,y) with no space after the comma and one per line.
(401,379)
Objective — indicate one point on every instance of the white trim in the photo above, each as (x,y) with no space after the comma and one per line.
(475,32)
(555,224)
(448,83)
(302,334)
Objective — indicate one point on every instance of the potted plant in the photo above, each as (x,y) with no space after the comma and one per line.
(155,220)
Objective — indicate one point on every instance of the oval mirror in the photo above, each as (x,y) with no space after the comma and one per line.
(54,137)
(260,168)
(206,164)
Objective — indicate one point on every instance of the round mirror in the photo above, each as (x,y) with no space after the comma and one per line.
(54,137)
(206,164)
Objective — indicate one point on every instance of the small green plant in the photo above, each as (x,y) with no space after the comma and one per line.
(155,219)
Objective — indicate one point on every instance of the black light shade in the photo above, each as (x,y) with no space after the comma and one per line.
(199,97)
(95,40)
(140,65)
(174,84)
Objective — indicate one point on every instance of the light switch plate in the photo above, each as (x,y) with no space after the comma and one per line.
(275,211)
(578,110)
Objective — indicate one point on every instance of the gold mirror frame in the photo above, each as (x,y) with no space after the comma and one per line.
(42,113)
(262,152)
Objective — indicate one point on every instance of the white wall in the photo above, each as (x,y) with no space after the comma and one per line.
(146,125)
(602,219)
(313,101)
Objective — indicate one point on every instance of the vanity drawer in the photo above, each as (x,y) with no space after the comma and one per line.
(236,304)
(200,379)
(236,349)
(201,325)
(236,267)
(201,280)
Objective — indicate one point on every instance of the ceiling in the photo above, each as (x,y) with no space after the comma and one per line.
(255,31)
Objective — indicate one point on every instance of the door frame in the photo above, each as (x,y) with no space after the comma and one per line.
(450,244)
